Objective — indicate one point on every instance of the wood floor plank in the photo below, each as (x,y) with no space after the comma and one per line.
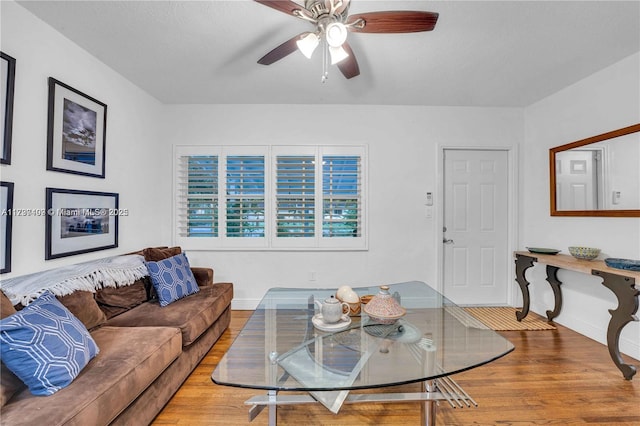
(553,377)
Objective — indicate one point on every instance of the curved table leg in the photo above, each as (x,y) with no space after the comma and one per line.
(627,294)
(552,279)
(522,264)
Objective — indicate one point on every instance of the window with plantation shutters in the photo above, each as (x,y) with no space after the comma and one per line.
(270,197)
(198,202)
(245,192)
(295,196)
(341,196)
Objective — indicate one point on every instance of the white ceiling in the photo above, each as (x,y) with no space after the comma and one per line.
(481,53)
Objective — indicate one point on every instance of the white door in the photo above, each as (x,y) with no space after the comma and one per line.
(577,180)
(476,229)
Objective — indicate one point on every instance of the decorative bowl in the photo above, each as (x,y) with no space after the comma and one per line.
(585,253)
(366,298)
(628,264)
(383,308)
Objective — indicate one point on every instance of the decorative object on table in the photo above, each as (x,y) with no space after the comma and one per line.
(342,324)
(628,264)
(80,222)
(366,298)
(347,295)
(342,290)
(383,308)
(401,331)
(542,250)
(585,253)
(6,225)
(332,309)
(8,74)
(76,131)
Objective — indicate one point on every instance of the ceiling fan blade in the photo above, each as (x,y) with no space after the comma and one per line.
(286,48)
(393,21)
(287,6)
(349,67)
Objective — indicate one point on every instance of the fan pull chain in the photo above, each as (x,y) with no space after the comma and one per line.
(325,62)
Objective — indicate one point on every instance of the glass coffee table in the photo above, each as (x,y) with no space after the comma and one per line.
(279,349)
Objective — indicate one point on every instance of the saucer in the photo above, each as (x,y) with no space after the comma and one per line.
(319,323)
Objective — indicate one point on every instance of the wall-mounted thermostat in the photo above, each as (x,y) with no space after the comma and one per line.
(616,197)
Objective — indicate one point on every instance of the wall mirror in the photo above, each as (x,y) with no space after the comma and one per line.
(597,176)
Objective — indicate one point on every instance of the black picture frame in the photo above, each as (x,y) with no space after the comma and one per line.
(80,222)
(7,89)
(6,225)
(76,131)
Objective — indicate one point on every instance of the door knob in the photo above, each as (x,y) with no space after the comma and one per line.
(447,241)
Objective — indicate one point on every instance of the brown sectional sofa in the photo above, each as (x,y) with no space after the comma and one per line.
(146,353)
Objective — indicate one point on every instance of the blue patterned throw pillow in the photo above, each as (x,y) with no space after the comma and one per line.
(45,345)
(172,278)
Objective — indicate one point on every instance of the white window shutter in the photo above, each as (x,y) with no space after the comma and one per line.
(341,196)
(295,196)
(245,196)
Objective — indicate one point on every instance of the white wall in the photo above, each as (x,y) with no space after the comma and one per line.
(136,166)
(403,150)
(605,101)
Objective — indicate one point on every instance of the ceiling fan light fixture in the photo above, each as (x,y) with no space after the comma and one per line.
(338,54)
(336,34)
(308,44)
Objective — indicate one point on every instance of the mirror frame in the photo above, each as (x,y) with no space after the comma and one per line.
(552,173)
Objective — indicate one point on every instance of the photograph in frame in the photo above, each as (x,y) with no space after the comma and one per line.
(76,132)
(6,225)
(80,222)
(8,75)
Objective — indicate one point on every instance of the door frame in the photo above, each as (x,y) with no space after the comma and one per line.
(512,214)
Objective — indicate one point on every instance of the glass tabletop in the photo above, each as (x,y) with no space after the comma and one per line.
(280,349)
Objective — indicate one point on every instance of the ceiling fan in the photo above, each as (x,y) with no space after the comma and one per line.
(332,24)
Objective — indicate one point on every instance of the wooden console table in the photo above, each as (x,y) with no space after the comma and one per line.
(621,282)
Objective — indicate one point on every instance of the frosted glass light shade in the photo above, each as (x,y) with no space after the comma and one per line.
(336,34)
(337,54)
(308,44)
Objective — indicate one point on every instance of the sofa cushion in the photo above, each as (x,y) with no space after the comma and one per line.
(45,345)
(83,306)
(203,276)
(172,278)
(9,385)
(130,359)
(154,254)
(115,300)
(193,314)
(6,307)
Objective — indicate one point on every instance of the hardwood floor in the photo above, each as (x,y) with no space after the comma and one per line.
(552,377)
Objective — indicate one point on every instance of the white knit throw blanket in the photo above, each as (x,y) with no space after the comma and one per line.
(91,276)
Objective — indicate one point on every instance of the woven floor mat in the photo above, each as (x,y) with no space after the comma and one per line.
(504,319)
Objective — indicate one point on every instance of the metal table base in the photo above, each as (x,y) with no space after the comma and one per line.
(441,389)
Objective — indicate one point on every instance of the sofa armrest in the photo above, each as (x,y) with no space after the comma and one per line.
(203,276)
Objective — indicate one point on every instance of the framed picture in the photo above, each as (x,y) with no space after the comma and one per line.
(80,222)
(8,74)
(6,222)
(76,133)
